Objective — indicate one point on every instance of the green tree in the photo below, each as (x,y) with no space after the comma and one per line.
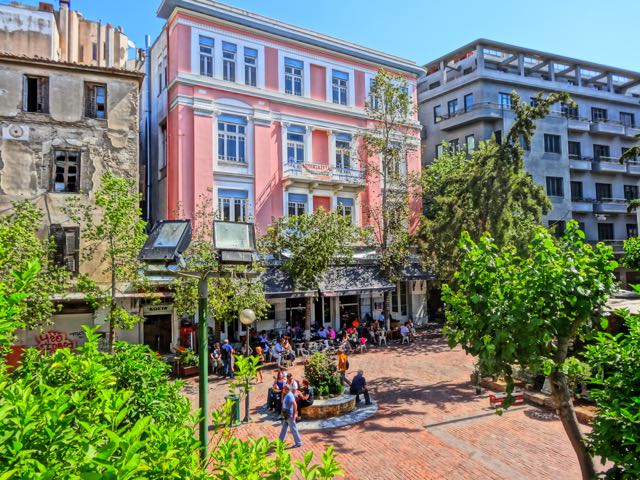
(20,244)
(387,144)
(489,192)
(310,243)
(231,288)
(529,310)
(114,233)
(632,154)
(615,386)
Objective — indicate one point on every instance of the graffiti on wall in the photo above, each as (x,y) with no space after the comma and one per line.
(52,340)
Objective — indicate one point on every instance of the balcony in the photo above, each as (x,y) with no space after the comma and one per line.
(610,205)
(616,245)
(631,131)
(310,173)
(582,205)
(577,124)
(478,111)
(578,162)
(608,165)
(633,168)
(607,127)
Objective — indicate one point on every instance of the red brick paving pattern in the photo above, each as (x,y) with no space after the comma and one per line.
(430,424)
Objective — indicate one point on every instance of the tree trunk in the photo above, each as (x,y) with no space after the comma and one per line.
(564,404)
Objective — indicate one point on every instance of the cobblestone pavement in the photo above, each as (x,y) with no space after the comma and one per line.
(430,424)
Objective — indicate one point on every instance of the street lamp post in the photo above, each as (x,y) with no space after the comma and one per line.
(247,317)
(162,253)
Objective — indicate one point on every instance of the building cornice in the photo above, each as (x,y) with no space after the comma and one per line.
(252,21)
(72,67)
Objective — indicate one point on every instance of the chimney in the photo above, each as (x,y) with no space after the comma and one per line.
(45,7)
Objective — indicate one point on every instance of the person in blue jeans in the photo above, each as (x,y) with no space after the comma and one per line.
(359,387)
(227,358)
(289,413)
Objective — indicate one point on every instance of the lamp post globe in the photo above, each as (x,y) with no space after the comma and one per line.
(247,316)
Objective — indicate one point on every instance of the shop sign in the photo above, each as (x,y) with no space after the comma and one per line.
(53,340)
(160,309)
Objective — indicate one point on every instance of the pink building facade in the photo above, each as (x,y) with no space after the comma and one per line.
(261,119)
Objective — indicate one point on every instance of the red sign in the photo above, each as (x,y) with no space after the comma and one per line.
(53,340)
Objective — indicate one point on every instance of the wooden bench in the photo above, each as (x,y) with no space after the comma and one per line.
(496,399)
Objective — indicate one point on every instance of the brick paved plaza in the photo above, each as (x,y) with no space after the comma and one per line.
(430,424)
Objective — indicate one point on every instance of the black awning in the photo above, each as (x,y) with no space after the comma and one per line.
(354,280)
(279,284)
(414,271)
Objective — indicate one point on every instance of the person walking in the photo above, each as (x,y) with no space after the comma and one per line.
(343,366)
(289,414)
(227,358)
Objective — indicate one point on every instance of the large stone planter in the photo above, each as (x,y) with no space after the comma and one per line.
(329,407)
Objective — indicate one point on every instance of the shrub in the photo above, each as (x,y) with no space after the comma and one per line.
(189,359)
(322,375)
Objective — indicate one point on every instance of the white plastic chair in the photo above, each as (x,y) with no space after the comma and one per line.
(405,338)
(382,337)
(362,347)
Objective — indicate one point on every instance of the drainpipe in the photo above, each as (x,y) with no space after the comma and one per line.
(147,143)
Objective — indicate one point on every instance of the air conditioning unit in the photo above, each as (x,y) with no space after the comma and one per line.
(15,132)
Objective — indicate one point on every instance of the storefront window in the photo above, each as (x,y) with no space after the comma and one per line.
(296,309)
(399,299)
(349,310)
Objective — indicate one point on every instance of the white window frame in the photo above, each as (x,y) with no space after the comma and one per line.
(210,56)
(340,88)
(243,203)
(229,62)
(299,148)
(344,152)
(296,74)
(239,136)
(250,64)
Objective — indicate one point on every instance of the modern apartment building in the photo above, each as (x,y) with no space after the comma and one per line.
(261,119)
(465,98)
(65,119)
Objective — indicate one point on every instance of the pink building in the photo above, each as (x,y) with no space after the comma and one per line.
(261,119)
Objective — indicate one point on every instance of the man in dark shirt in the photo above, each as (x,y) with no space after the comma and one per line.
(227,358)
(359,387)
(304,396)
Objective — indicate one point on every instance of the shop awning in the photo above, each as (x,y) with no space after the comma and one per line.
(354,280)
(278,284)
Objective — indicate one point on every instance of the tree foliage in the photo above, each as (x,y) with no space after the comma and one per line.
(615,386)
(20,244)
(309,243)
(487,192)
(509,309)
(387,143)
(114,233)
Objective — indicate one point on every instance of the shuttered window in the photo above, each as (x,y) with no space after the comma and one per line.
(95,100)
(67,247)
(36,94)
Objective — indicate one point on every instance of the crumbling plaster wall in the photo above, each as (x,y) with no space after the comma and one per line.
(26,166)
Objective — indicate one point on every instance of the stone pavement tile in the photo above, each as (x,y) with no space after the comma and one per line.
(418,388)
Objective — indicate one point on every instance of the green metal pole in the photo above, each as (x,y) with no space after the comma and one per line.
(247,419)
(203,349)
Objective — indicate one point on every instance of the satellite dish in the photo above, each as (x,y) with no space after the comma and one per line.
(131,44)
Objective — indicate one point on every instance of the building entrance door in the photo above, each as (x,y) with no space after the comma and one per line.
(157,332)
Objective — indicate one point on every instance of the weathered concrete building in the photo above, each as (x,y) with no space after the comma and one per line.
(64,122)
(465,98)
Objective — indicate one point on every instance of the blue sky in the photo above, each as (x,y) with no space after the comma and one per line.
(421,30)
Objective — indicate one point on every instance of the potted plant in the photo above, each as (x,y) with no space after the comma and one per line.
(187,364)
(323,376)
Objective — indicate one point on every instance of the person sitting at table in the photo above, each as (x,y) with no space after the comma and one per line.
(331,334)
(277,352)
(412,330)
(404,331)
(304,398)
(322,333)
(263,340)
(288,350)
(274,397)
